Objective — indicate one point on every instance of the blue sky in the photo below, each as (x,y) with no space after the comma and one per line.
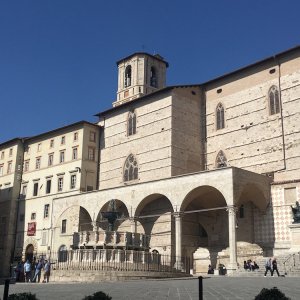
(58,58)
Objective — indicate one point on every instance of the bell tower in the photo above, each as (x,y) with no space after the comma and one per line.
(140,74)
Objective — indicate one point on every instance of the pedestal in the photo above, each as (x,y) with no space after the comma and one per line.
(201,259)
(295,237)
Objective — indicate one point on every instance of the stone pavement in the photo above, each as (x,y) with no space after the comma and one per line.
(177,289)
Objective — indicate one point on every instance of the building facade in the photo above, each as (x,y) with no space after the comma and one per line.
(207,171)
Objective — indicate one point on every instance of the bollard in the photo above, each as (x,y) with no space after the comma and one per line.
(200,288)
(6,289)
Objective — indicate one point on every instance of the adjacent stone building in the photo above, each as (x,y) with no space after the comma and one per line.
(207,171)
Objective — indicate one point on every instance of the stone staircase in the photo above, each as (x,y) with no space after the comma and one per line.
(288,265)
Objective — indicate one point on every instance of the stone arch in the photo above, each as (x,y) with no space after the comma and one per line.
(154,215)
(30,252)
(122,222)
(252,203)
(206,196)
(207,229)
(30,245)
(85,220)
(78,218)
(62,253)
(251,192)
(128,76)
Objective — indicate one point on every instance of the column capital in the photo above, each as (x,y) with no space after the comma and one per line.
(178,214)
(231,209)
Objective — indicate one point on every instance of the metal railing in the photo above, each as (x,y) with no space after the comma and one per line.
(288,260)
(116,260)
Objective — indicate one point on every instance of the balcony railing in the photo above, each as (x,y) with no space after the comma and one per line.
(116,260)
(110,239)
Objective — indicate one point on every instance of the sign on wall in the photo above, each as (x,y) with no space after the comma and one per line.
(31,228)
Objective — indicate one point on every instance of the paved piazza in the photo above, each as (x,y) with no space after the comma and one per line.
(184,289)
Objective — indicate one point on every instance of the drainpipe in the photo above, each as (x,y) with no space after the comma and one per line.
(51,228)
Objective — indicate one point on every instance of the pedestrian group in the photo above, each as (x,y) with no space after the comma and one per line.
(32,271)
(271,265)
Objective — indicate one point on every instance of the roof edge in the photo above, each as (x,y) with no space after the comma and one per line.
(155,56)
(167,88)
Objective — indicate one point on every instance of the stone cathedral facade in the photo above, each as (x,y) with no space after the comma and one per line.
(206,171)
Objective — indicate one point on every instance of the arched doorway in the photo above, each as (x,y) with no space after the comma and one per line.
(29,253)
(62,253)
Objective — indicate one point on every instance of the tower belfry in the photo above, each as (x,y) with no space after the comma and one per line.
(140,74)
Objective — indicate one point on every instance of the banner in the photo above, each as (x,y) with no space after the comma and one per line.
(31,228)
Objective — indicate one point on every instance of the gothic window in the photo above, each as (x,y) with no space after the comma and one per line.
(63,252)
(130,168)
(274,100)
(128,76)
(220,116)
(221,160)
(153,77)
(131,123)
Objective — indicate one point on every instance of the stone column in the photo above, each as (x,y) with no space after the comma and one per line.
(232,239)
(133,225)
(178,245)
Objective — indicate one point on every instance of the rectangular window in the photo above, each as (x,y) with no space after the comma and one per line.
(75,153)
(61,156)
(2,155)
(60,184)
(50,159)
(92,136)
(26,166)
(91,153)
(1,170)
(48,186)
(73,181)
(75,136)
(10,151)
(51,143)
(63,140)
(33,216)
(9,167)
(64,226)
(24,191)
(46,210)
(35,188)
(290,195)
(44,237)
(39,147)
(38,163)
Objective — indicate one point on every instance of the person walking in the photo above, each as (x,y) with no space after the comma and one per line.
(47,268)
(274,267)
(27,270)
(38,271)
(268,266)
